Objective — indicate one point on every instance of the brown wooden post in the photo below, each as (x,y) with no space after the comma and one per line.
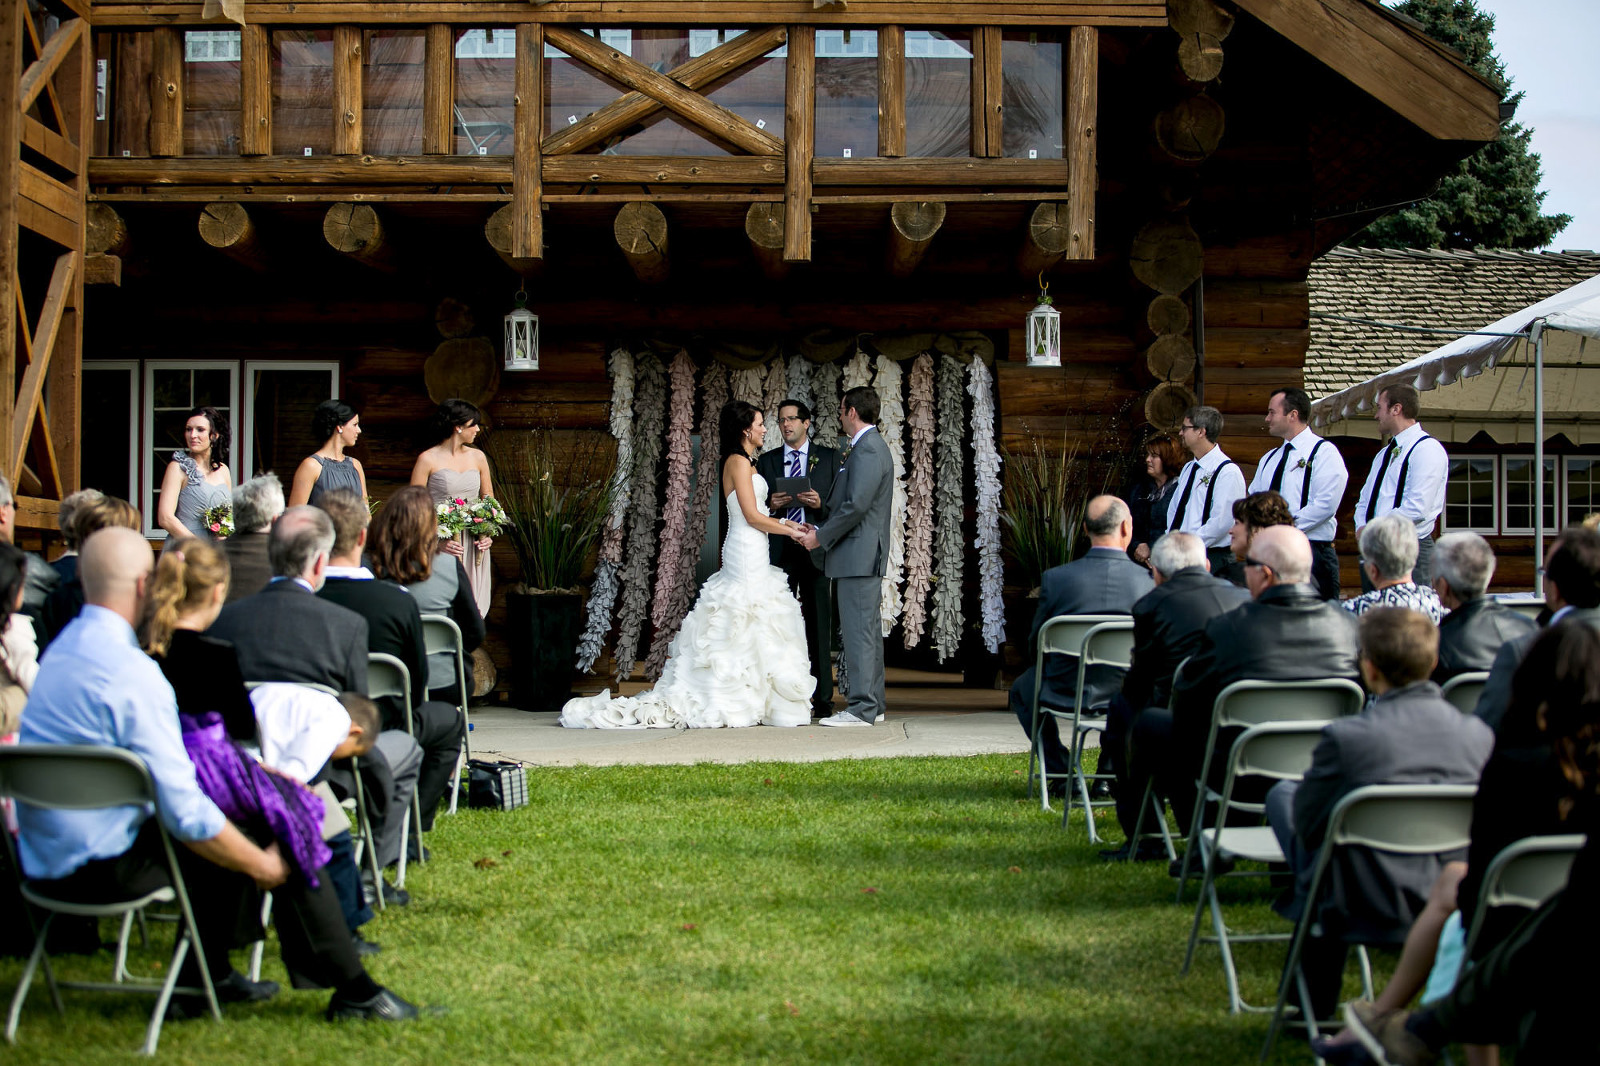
(439,91)
(891,91)
(526,180)
(356,230)
(166,92)
(65,383)
(1083,94)
(641,232)
(763,226)
(988,141)
(912,227)
(12,12)
(799,135)
(255,91)
(347,90)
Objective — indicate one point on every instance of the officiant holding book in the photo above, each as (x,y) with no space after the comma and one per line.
(800,474)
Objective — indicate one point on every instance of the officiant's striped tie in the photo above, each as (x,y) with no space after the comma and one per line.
(796,514)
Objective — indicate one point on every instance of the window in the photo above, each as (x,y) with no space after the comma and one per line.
(211,92)
(1517,516)
(487,44)
(938,93)
(110,424)
(172,388)
(1583,487)
(621,40)
(211,46)
(847,94)
(279,398)
(847,44)
(486,75)
(1033,110)
(1471,496)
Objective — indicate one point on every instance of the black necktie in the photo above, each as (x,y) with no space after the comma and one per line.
(1183,500)
(1377,483)
(1277,475)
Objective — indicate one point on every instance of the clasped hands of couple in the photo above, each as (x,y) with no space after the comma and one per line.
(797,530)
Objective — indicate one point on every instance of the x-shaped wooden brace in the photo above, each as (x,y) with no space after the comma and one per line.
(37,346)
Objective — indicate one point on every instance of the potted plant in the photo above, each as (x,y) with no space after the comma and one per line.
(557,494)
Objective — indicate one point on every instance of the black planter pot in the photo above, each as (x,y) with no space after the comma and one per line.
(543,632)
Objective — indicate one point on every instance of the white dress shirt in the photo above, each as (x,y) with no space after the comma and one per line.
(1214,532)
(1426,474)
(1328,478)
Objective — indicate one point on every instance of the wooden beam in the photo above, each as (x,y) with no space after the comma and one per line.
(528,123)
(892,91)
(102,270)
(940,171)
(130,107)
(61,229)
(41,70)
(1047,238)
(500,232)
(106,231)
(50,144)
(912,227)
(356,230)
(50,193)
(294,170)
(12,12)
(663,170)
(799,131)
(439,91)
(31,388)
(628,110)
(988,141)
(229,229)
(255,91)
(166,92)
(1082,122)
(347,90)
(698,110)
(34,513)
(641,232)
(763,225)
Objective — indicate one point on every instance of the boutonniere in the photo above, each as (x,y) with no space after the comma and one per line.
(1205,479)
(1300,465)
(811,461)
(1394,447)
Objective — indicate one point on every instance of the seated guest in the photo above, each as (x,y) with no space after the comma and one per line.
(1471,635)
(394,627)
(1409,735)
(257,503)
(97,687)
(1104,581)
(90,515)
(404,548)
(1287,633)
(19,656)
(1388,554)
(1252,514)
(286,633)
(41,577)
(1571,592)
(1168,626)
(66,565)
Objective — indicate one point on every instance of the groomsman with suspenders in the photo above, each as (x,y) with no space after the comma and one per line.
(1208,485)
(1309,473)
(1408,476)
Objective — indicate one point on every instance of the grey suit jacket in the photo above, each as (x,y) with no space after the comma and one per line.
(854,541)
(1103,581)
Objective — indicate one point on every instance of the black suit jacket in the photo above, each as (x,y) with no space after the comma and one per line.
(285,633)
(1473,634)
(1496,696)
(1289,633)
(821,465)
(1169,625)
(1103,581)
(394,627)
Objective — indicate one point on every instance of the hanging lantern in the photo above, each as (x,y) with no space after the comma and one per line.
(522,336)
(1044,330)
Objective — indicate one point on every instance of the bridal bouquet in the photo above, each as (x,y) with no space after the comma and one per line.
(219,520)
(455,518)
(482,517)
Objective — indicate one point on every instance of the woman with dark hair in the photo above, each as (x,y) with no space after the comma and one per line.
(1252,514)
(454,470)
(19,653)
(403,547)
(740,657)
(1150,498)
(338,426)
(197,478)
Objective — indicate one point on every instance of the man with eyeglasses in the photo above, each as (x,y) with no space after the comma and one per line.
(802,457)
(1407,476)
(1208,485)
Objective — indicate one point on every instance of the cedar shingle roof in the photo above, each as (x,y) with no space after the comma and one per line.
(1419,287)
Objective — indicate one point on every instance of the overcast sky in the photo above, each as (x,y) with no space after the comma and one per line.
(1548,49)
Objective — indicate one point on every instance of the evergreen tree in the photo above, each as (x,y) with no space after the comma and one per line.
(1491,199)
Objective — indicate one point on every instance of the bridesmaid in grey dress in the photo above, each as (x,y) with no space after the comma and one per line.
(454,469)
(197,479)
(329,468)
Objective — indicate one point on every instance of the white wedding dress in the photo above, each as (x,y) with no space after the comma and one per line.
(739,659)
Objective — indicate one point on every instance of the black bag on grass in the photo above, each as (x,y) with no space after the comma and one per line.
(498,785)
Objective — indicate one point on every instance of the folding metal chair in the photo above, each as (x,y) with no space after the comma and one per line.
(1152,800)
(1107,644)
(1463,690)
(388,676)
(1397,819)
(81,778)
(1248,703)
(441,634)
(1061,635)
(1277,751)
(1524,874)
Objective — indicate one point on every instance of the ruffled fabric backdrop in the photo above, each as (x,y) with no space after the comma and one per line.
(643,511)
(603,595)
(891,415)
(665,613)
(986,479)
(948,552)
(919,502)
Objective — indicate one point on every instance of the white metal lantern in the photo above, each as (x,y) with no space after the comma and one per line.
(522,336)
(1044,332)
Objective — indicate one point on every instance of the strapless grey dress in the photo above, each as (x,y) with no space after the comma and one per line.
(465,485)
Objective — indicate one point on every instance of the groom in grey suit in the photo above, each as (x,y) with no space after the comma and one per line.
(852,546)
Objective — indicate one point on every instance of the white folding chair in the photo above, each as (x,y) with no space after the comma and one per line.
(1463,690)
(1152,800)
(387,676)
(1524,874)
(1275,751)
(1247,703)
(441,634)
(86,777)
(1062,635)
(1395,819)
(1107,644)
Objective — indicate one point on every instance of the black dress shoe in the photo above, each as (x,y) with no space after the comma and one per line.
(383,1007)
(237,988)
(395,897)
(363,946)
(1100,790)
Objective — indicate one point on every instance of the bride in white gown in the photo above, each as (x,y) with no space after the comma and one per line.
(740,658)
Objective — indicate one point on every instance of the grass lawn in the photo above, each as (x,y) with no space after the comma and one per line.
(875,911)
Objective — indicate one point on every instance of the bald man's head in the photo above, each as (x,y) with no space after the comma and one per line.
(1108,522)
(1286,552)
(112,565)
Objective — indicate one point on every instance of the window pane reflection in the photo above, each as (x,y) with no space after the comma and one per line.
(391,92)
(302,92)
(486,85)
(847,94)
(938,93)
(1032,64)
(211,92)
